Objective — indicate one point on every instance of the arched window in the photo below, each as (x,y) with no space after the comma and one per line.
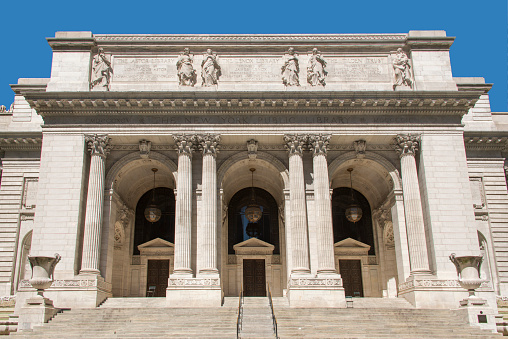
(164,228)
(343,228)
(267,227)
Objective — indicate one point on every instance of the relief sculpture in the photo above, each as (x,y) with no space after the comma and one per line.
(291,68)
(186,72)
(210,69)
(402,70)
(101,72)
(316,73)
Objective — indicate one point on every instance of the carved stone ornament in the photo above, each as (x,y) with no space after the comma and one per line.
(407,144)
(468,271)
(290,69)
(3,109)
(295,143)
(144,148)
(185,70)
(360,146)
(185,143)
(42,271)
(252,149)
(210,69)
(319,143)
(316,72)
(208,143)
(388,236)
(402,70)
(98,144)
(101,71)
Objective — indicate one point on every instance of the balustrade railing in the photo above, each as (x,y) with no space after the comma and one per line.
(274,319)
(239,319)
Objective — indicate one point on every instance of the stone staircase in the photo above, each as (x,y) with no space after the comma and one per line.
(257,318)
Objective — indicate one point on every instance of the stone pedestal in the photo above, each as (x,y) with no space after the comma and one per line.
(478,313)
(316,292)
(194,292)
(37,311)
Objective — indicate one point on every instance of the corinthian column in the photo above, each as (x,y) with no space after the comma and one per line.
(406,146)
(299,238)
(99,147)
(207,248)
(322,201)
(183,213)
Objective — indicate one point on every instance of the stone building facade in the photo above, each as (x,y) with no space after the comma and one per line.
(427,158)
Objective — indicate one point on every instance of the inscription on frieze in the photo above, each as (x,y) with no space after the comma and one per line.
(251,69)
(145,69)
(358,69)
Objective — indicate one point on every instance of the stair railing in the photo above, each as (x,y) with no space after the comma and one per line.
(274,319)
(239,319)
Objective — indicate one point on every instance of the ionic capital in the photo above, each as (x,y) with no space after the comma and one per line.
(98,144)
(209,144)
(185,144)
(319,143)
(407,144)
(295,143)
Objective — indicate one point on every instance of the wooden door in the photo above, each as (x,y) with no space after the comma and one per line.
(351,273)
(158,274)
(254,279)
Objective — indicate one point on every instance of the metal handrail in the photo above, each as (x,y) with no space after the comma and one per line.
(239,319)
(274,319)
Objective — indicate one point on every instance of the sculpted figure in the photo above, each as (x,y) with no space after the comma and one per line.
(290,69)
(316,69)
(402,70)
(101,71)
(210,69)
(186,72)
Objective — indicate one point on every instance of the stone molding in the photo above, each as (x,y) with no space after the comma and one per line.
(319,143)
(407,144)
(20,143)
(314,282)
(98,144)
(436,284)
(498,143)
(8,301)
(194,282)
(70,284)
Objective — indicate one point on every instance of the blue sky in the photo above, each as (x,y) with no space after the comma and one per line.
(480,28)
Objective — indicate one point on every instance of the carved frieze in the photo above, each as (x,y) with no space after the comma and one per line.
(193,282)
(316,73)
(317,282)
(290,69)
(406,144)
(101,71)
(98,144)
(185,70)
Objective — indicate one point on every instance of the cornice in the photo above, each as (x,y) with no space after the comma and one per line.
(152,103)
(21,143)
(486,141)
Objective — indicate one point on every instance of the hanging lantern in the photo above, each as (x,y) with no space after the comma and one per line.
(353,211)
(253,212)
(152,212)
(252,230)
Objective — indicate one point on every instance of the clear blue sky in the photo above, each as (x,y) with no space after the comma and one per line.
(480,28)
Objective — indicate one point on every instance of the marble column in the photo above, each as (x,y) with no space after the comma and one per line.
(98,146)
(407,146)
(208,247)
(183,212)
(323,204)
(299,237)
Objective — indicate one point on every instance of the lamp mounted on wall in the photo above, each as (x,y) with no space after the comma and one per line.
(152,212)
(353,211)
(253,212)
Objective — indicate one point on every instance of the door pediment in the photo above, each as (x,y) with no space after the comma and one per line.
(156,246)
(253,246)
(351,246)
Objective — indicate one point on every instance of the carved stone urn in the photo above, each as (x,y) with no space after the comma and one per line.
(42,271)
(468,270)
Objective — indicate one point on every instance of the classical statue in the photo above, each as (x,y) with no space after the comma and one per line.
(101,71)
(186,72)
(316,69)
(210,69)
(402,70)
(290,69)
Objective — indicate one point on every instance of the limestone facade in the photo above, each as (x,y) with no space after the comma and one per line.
(428,160)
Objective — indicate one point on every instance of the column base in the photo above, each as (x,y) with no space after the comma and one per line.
(321,291)
(478,313)
(36,311)
(194,292)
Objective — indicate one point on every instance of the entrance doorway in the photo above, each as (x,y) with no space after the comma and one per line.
(157,278)
(351,273)
(254,279)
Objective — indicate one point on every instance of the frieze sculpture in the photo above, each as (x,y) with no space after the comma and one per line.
(402,70)
(291,68)
(101,71)
(316,72)
(186,72)
(210,69)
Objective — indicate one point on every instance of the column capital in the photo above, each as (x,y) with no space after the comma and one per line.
(407,144)
(208,143)
(319,143)
(185,143)
(98,144)
(295,143)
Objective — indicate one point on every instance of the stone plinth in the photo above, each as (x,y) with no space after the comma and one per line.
(37,311)
(194,292)
(479,313)
(316,292)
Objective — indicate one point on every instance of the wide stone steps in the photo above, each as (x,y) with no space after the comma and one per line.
(257,318)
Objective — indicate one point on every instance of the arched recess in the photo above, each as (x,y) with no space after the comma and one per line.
(488,270)
(24,265)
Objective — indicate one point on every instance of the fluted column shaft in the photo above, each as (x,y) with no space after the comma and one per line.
(407,145)
(322,202)
(183,212)
(208,250)
(99,148)
(299,238)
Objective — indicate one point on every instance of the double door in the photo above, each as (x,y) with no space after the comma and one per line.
(254,278)
(157,278)
(351,273)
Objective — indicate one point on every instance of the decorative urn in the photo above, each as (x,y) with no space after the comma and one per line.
(468,270)
(42,271)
